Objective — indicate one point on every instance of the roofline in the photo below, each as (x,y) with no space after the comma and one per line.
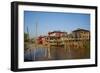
(80,30)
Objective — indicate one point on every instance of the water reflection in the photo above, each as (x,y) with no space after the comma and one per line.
(60,53)
(35,54)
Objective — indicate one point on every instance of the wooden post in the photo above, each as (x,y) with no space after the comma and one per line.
(49,54)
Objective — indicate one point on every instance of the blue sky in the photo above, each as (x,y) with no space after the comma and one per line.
(54,21)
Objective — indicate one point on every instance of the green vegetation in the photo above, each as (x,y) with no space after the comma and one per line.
(26,37)
(26,41)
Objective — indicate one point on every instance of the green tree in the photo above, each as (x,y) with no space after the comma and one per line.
(26,41)
(26,37)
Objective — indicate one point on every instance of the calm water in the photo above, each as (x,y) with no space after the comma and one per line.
(32,55)
(56,54)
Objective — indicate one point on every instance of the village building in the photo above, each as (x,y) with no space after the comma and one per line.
(58,36)
(57,33)
(81,34)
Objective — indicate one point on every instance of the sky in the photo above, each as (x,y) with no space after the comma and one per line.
(54,21)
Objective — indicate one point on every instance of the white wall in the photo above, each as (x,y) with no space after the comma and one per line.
(5,35)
